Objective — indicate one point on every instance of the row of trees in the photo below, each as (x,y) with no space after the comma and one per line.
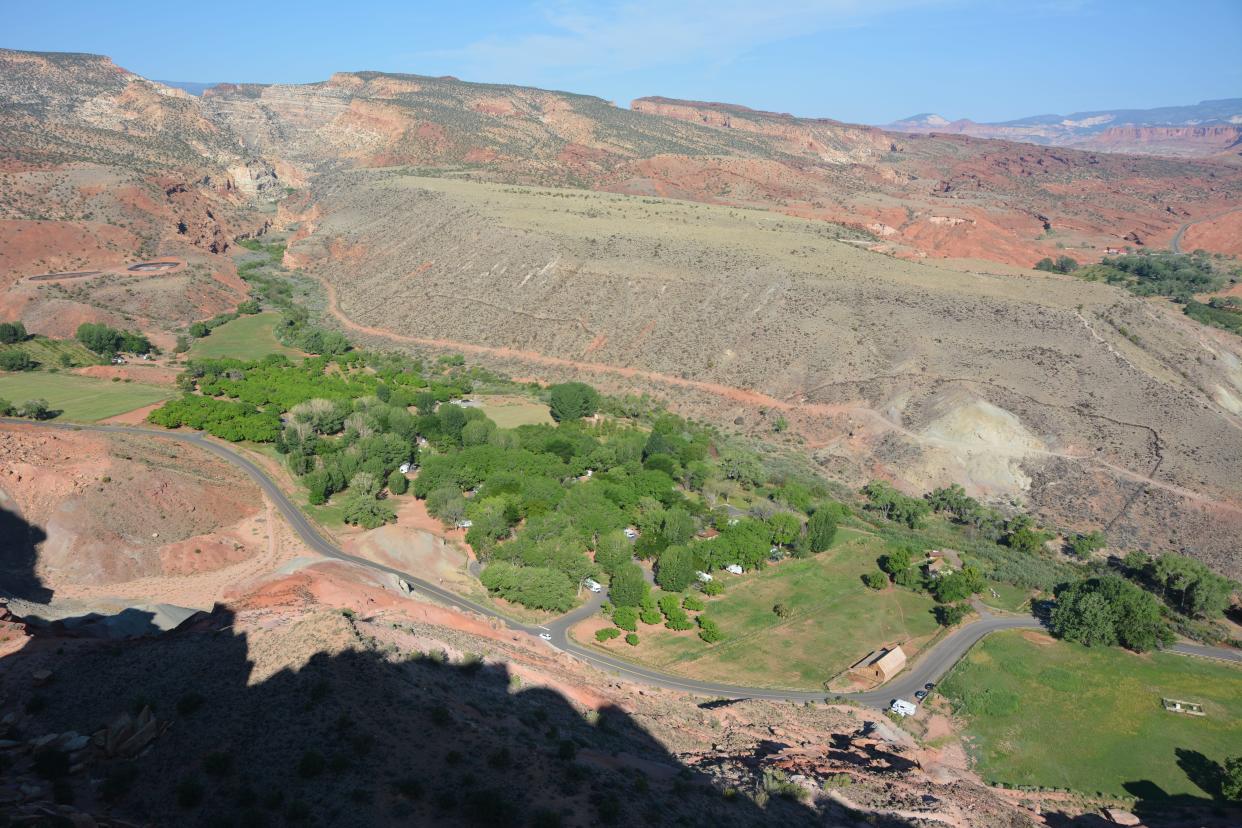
(109,342)
(36,409)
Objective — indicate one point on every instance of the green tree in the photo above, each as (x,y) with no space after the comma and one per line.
(898,560)
(875,580)
(1231,779)
(36,409)
(613,551)
(949,615)
(675,568)
(958,586)
(1109,610)
(572,401)
(785,528)
(11,332)
(198,330)
(626,618)
(16,361)
(821,530)
(398,483)
(628,587)
(364,510)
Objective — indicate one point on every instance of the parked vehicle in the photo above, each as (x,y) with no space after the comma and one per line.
(592,584)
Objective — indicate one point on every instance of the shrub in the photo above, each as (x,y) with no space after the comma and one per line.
(875,580)
(632,639)
(693,603)
(16,361)
(626,618)
(397,483)
(709,631)
(712,588)
(607,634)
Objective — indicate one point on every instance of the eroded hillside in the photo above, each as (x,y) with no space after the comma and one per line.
(100,168)
(1096,407)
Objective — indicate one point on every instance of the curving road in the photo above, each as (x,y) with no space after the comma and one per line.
(930,666)
(1176,244)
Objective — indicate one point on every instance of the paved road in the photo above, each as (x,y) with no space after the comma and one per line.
(1176,244)
(929,667)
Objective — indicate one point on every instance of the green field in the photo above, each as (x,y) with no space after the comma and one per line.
(80,398)
(512,415)
(834,620)
(53,353)
(1052,713)
(246,337)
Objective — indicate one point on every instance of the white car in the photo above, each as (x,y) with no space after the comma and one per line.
(546,636)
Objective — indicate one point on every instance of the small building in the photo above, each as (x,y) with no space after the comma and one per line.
(880,665)
(903,708)
(734,568)
(936,566)
(703,576)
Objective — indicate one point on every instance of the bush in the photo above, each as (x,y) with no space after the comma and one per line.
(875,580)
(632,639)
(16,361)
(712,588)
(397,483)
(607,634)
(626,618)
(693,603)
(709,630)
(948,615)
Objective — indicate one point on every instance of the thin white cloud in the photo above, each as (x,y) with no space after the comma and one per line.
(611,37)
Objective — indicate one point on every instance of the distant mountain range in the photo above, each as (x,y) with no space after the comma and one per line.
(1202,129)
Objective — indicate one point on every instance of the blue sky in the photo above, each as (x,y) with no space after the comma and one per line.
(869,61)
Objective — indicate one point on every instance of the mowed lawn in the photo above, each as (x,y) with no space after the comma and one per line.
(833,621)
(514,414)
(80,398)
(246,337)
(1053,713)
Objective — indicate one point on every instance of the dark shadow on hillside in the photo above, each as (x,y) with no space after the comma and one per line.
(358,738)
(19,543)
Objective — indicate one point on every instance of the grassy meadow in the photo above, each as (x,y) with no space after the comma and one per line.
(1057,714)
(80,398)
(246,337)
(833,621)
